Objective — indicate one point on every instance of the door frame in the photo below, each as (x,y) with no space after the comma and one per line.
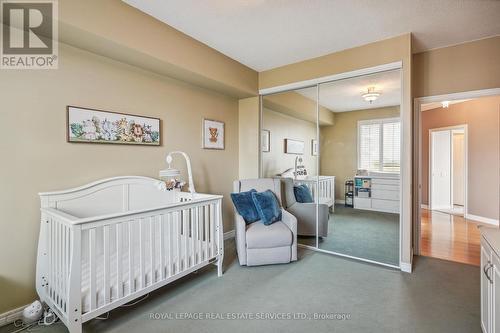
(417,142)
(463,127)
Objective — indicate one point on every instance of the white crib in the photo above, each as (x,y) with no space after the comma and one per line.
(324,186)
(104,244)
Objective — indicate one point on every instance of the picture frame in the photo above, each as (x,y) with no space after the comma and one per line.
(314,147)
(295,147)
(213,134)
(266,141)
(87,125)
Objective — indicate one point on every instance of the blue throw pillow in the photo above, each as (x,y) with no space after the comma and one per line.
(267,206)
(303,194)
(245,206)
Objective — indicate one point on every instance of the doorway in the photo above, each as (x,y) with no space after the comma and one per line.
(448,170)
(458,163)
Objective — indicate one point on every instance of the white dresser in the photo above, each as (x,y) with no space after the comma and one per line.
(377,192)
(490,280)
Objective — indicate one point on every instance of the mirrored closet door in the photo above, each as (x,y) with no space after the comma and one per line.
(360,152)
(336,146)
(290,151)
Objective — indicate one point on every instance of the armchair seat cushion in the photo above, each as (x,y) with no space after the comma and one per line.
(260,236)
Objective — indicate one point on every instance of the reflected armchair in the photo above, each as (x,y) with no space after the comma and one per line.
(305,212)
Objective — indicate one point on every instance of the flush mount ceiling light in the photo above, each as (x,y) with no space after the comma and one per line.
(371,95)
(445,104)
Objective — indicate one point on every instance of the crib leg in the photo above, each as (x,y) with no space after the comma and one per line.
(219,266)
(75,327)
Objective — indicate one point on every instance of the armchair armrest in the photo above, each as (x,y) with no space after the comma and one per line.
(291,222)
(240,228)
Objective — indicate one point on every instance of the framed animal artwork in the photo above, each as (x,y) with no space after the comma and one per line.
(213,134)
(86,125)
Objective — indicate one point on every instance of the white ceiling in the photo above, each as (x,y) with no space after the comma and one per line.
(345,95)
(264,34)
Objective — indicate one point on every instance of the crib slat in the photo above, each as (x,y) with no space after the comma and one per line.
(131,258)
(163,267)
(212,231)
(192,240)
(119,256)
(141,253)
(197,239)
(107,258)
(205,223)
(178,238)
(152,250)
(185,238)
(170,242)
(92,258)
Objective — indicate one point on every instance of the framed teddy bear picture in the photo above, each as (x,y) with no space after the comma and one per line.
(213,134)
(86,125)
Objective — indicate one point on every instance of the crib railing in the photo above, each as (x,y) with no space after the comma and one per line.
(91,266)
(322,186)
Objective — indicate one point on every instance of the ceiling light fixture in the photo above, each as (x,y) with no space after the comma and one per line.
(445,104)
(371,95)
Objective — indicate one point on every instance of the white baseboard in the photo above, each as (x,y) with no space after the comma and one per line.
(405,267)
(482,219)
(11,316)
(424,206)
(228,235)
(340,201)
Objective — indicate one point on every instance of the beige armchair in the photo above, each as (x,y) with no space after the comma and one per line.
(305,212)
(258,244)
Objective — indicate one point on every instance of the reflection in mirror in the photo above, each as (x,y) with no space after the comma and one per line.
(360,151)
(290,151)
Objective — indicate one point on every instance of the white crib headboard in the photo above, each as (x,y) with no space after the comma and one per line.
(107,196)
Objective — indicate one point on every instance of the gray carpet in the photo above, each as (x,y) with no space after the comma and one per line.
(361,233)
(440,296)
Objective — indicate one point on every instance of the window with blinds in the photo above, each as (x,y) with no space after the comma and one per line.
(379,145)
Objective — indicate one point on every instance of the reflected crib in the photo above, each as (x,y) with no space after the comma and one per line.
(107,243)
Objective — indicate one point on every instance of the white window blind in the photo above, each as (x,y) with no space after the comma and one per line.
(379,145)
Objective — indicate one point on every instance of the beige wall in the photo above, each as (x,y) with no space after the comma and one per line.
(37,157)
(483,119)
(339,144)
(284,127)
(295,105)
(118,31)
(463,67)
(248,124)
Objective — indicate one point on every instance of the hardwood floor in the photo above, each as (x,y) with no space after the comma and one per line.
(449,237)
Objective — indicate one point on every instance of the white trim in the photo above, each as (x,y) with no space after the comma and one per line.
(340,201)
(229,234)
(348,256)
(334,77)
(460,95)
(417,126)
(481,219)
(406,267)
(424,206)
(11,316)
